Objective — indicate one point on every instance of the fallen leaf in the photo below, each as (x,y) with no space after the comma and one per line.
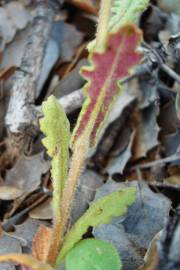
(27,172)
(118,164)
(171,143)
(147,92)
(133,234)
(85,192)
(89,6)
(41,242)
(71,82)
(147,131)
(26,260)
(7,245)
(10,192)
(172,180)
(42,211)
(151,257)
(168,120)
(26,231)
(69,43)
(169,5)
(13,17)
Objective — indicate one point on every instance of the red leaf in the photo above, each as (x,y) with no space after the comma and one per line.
(103,75)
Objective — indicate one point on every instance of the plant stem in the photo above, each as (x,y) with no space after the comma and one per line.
(102,29)
(78,158)
(81,148)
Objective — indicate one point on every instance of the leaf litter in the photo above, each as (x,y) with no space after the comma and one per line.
(141,132)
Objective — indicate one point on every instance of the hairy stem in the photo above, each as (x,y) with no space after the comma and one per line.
(78,158)
(102,29)
(81,148)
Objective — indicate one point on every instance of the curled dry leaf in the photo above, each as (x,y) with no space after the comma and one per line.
(42,211)
(26,260)
(89,6)
(40,243)
(13,17)
(151,257)
(10,192)
(27,172)
(8,244)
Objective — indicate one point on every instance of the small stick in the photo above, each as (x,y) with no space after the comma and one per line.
(157,162)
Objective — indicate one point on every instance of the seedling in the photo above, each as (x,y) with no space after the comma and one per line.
(111,56)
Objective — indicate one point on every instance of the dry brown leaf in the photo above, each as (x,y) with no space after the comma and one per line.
(27,172)
(86,5)
(40,243)
(147,131)
(7,72)
(174,180)
(8,244)
(42,211)
(151,257)
(27,260)
(10,193)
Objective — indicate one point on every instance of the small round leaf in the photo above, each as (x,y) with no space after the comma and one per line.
(92,254)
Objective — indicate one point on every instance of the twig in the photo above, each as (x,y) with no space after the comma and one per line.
(20,113)
(8,224)
(157,162)
(69,102)
(171,73)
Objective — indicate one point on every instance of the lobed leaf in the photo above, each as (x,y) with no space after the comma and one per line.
(93,254)
(55,126)
(99,212)
(26,260)
(125,11)
(103,75)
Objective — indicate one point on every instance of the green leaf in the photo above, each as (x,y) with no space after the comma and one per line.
(125,11)
(92,254)
(99,212)
(55,126)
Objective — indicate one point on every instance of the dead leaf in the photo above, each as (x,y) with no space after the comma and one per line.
(6,73)
(147,131)
(69,43)
(85,192)
(71,82)
(169,5)
(27,172)
(89,6)
(13,17)
(26,231)
(10,192)
(8,245)
(172,180)
(41,242)
(118,164)
(171,143)
(26,260)
(151,257)
(168,120)
(42,211)
(132,234)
